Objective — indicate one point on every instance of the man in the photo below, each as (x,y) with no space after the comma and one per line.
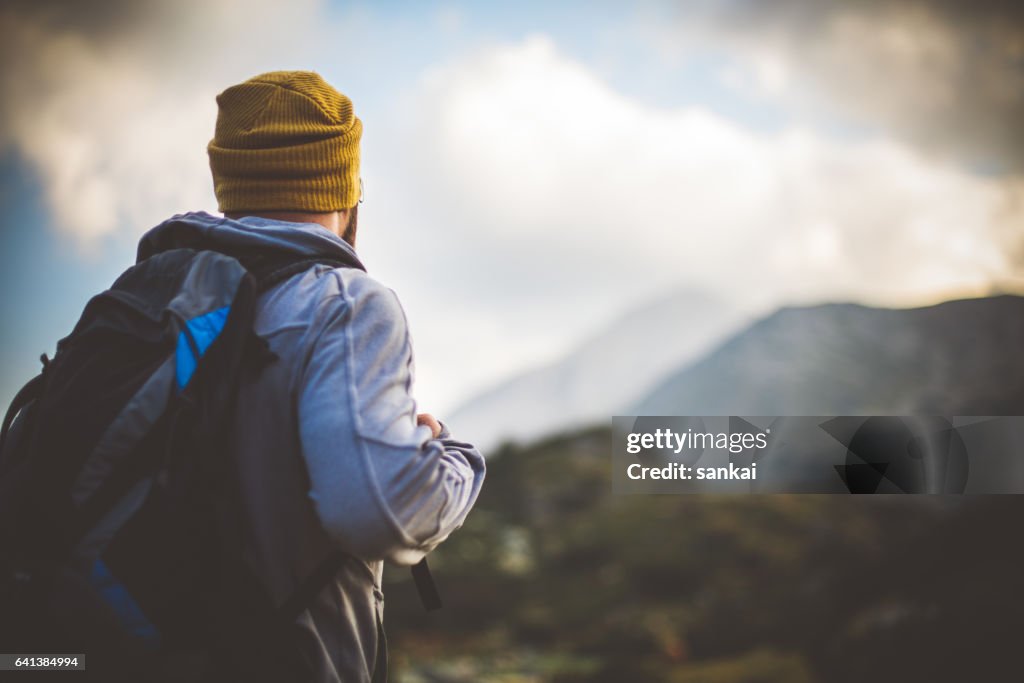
(328,447)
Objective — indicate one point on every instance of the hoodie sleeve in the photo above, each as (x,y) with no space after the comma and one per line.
(382,486)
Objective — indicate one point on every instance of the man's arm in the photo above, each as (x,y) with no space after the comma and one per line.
(383,486)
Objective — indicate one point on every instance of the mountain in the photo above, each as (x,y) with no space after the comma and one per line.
(960,357)
(609,371)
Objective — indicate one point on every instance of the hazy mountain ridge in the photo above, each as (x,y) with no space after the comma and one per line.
(682,355)
(610,370)
(959,357)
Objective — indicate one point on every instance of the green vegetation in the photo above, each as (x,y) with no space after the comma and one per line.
(555,579)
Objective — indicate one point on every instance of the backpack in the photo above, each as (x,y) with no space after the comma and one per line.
(118,522)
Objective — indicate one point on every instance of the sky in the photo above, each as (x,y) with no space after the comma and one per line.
(534,170)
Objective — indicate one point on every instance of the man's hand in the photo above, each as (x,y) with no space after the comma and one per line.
(430,421)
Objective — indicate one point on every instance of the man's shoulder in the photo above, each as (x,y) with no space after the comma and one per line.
(325,300)
(361,318)
(365,296)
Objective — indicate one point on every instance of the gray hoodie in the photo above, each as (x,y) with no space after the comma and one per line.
(327,448)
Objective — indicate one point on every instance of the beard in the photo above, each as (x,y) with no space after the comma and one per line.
(349,234)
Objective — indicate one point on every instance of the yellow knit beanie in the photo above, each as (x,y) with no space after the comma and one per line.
(285,141)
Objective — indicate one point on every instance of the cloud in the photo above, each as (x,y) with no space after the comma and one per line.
(946,76)
(528,150)
(112,103)
(557,201)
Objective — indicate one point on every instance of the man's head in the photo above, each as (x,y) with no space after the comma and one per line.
(287,146)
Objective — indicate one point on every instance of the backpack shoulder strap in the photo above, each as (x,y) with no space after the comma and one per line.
(270,271)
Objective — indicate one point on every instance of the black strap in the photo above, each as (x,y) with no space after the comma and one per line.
(425,586)
(380,664)
(25,395)
(271,271)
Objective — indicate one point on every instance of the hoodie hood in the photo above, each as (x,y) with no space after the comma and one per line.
(246,238)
